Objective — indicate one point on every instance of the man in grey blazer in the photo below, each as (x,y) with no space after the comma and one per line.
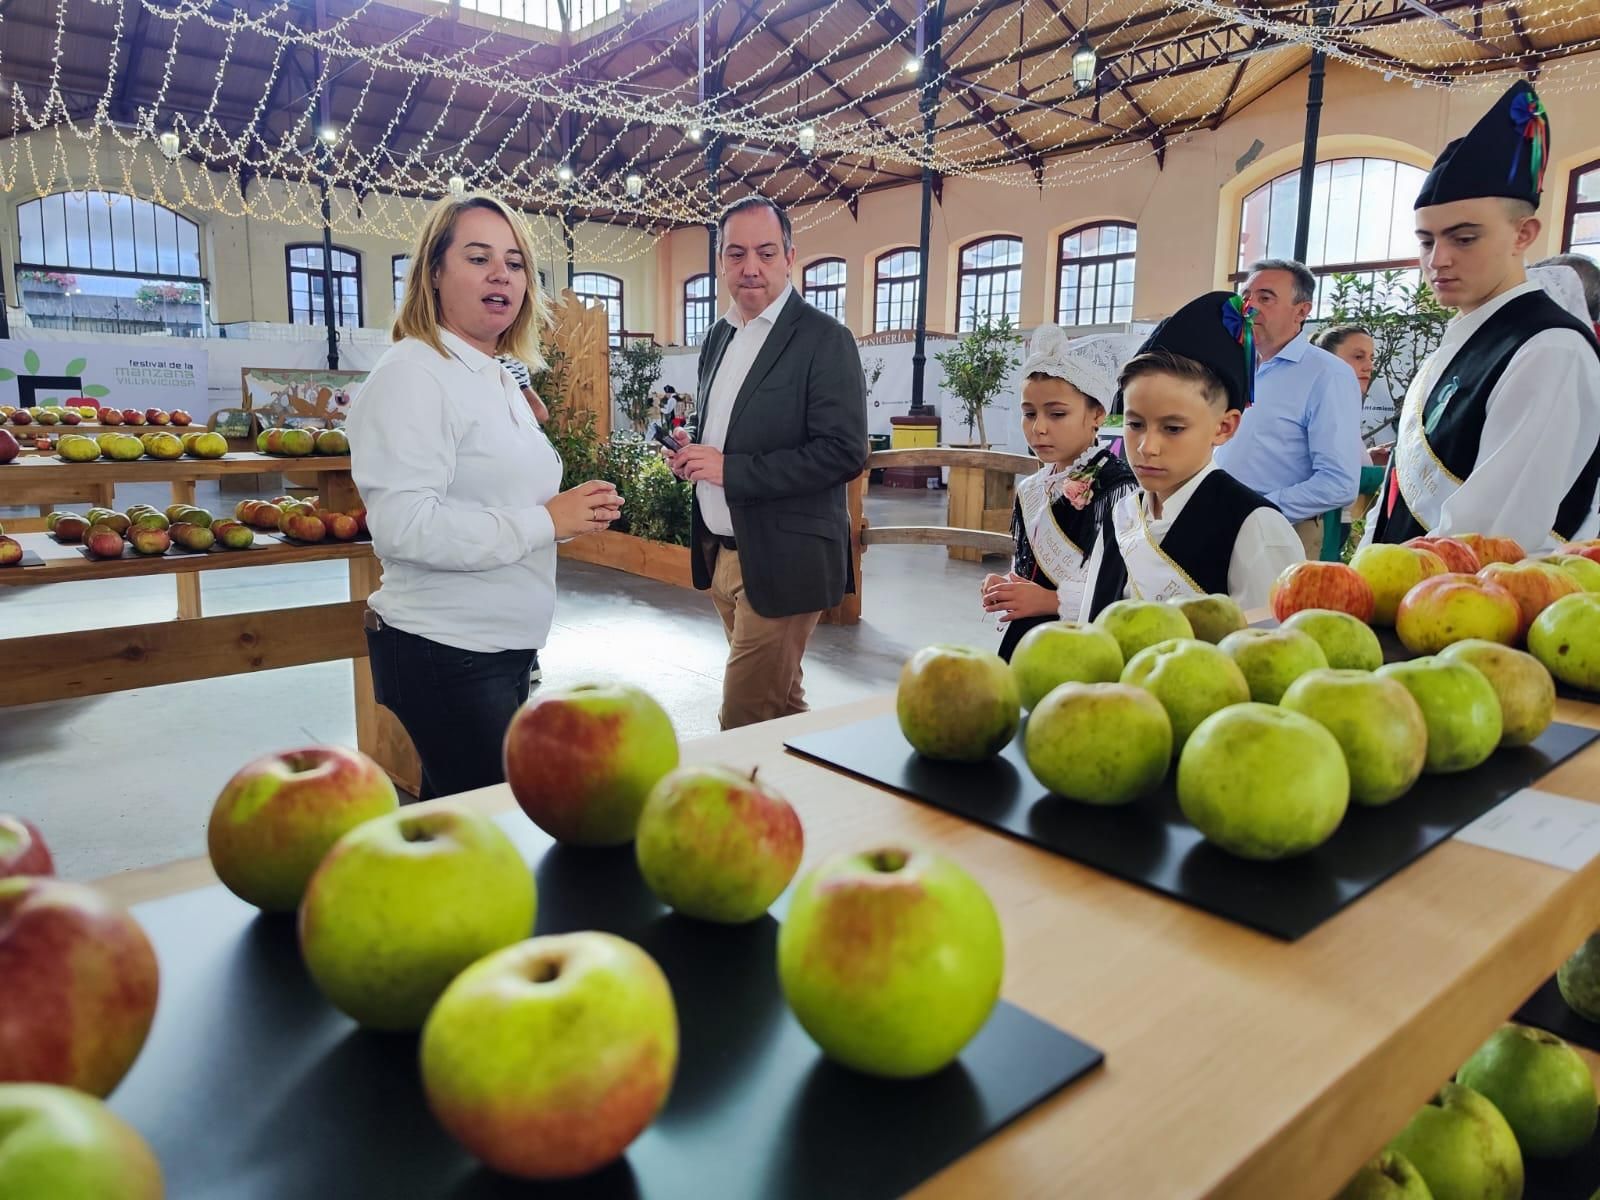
(782,430)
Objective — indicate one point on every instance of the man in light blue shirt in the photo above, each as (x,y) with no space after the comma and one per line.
(1299,444)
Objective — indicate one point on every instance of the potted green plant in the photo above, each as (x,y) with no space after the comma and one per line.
(634,371)
(975,369)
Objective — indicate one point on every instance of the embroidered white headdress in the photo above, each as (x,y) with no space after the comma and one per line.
(1563,285)
(1090,364)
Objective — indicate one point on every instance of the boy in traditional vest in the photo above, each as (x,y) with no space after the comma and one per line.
(1192,529)
(1500,430)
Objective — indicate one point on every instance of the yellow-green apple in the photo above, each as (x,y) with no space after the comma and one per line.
(174,512)
(891,958)
(1140,623)
(1377,724)
(1348,643)
(1525,689)
(547,1058)
(1566,638)
(1060,652)
(1452,608)
(1457,555)
(1585,571)
(1390,1176)
(80,985)
(1324,585)
(273,822)
(208,445)
(9,447)
(1540,1085)
(1460,707)
(1272,659)
(1579,979)
(957,704)
(1463,1147)
(1101,743)
(10,551)
(145,540)
(1211,617)
(1392,571)
(45,416)
(717,845)
(74,448)
(22,849)
(264,440)
(1191,678)
(1534,586)
(581,761)
(1263,782)
(103,541)
(403,903)
(123,448)
(296,443)
(193,537)
(148,520)
(234,535)
(1493,549)
(1589,549)
(164,446)
(332,441)
(59,1144)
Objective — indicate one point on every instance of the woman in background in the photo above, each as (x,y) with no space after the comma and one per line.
(1354,344)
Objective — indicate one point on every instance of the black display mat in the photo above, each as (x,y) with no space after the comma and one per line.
(1150,843)
(1546,1010)
(251,1087)
(1572,1178)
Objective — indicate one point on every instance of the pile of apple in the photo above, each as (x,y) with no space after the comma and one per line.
(1524,1094)
(148,530)
(80,986)
(150,416)
(298,443)
(303,520)
(49,414)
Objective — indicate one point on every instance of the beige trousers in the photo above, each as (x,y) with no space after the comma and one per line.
(1310,532)
(762,678)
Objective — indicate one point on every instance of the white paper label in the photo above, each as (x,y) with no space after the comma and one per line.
(1543,826)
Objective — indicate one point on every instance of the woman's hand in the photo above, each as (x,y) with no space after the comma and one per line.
(1013,597)
(989,581)
(587,508)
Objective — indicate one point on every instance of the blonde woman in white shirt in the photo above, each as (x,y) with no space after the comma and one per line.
(461,489)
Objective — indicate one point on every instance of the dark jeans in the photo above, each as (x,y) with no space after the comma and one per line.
(455,704)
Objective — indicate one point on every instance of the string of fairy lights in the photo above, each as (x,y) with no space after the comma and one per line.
(810,112)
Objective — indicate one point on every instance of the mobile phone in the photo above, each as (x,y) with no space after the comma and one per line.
(664,436)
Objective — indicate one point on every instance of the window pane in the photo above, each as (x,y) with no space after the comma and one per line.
(188,247)
(100,249)
(1253,227)
(1585,232)
(30,227)
(55,231)
(122,233)
(144,235)
(1589,186)
(167,231)
(77,213)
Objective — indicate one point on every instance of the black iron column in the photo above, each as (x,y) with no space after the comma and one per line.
(928,39)
(1321,14)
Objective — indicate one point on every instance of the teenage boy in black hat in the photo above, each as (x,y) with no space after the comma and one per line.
(1192,529)
(1500,430)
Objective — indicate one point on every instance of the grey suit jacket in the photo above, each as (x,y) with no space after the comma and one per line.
(797,436)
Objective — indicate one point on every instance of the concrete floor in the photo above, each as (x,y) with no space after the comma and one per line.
(127,780)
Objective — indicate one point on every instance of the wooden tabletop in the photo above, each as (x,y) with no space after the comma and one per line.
(1237,1065)
(151,470)
(65,564)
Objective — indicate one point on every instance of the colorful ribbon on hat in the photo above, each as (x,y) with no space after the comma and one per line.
(1238,319)
(1533,124)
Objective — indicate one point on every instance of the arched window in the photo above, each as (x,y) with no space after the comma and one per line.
(305,268)
(606,290)
(1094,274)
(110,263)
(1582,235)
(1360,221)
(822,284)
(896,277)
(399,264)
(699,308)
(990,282)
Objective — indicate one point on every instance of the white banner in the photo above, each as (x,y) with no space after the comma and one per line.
(156,374)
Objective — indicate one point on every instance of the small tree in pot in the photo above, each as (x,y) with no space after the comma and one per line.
(975,368)
(634,371)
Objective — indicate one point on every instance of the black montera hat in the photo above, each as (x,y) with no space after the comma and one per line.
(1504,154)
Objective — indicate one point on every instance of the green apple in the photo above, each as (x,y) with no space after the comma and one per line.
(1585,571)
(1263,782)
(1392,571)
(403,903)
(1377,724)
(891,959)
(1191,678)
(1463,1147)
(1525,689)
(1460,706)
(1211,617)
(581,760)
(1346,641)
(209,445)
(1064,652)
(958,704)
(1566,638)
(279,815)
(1579,979)
(1390,1176)
(297,443)
(1140,623)
(1272,659)
(547,1058)
(59,1144)
(1540,1085)
(717,845)
(1102,743)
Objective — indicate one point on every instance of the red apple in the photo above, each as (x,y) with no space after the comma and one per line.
(10,552)
(1534,586)
(41,442)
(72,417)
(156,416)
(1457,555)
(109,416)
(1392,571)
(341,527)
(9,447)
(22,417)
(1493,549)
(103,541)
(132,416)
(301,527)
(80,986)
(1324,585)
(273,443)
(360,514)
(1589,549)
(179,417)
(581,761)
(1452,608)
(22,849)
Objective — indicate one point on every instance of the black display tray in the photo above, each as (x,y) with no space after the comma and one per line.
(252,1087)
(1150,843)
(1572,1178)
(1545,1009)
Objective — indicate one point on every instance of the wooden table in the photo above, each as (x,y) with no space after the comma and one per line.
(1236,1065)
